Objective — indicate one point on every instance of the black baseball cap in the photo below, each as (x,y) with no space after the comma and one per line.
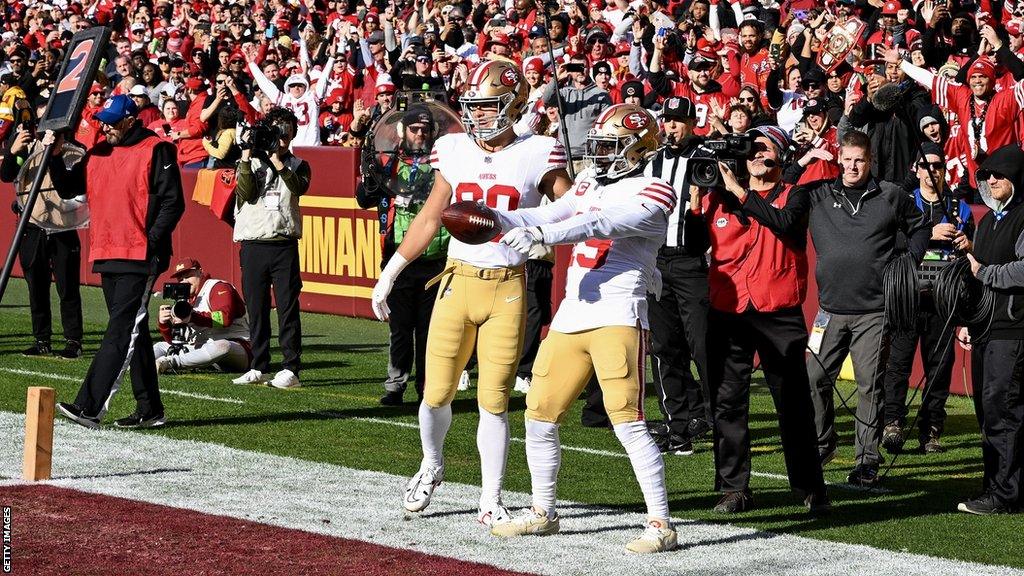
(679,108)
(632,88)
(815,106)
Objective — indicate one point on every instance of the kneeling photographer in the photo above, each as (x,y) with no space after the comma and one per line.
(757,229)
(205,327)
(268,225)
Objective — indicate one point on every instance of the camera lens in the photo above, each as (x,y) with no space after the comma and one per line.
(181,309)
(703,172)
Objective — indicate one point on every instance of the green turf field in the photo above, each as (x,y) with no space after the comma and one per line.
(344,360)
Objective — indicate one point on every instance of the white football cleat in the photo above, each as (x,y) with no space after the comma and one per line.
(522,385)
(493,514)
(657,536)
(285,379)
(421,487)
(253,376)
(165,364)
(464,381)
(529,521)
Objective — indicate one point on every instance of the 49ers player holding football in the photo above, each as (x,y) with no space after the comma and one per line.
(481,302)
(617,220)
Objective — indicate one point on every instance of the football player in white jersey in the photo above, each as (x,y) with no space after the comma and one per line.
(481,301)
(300,99)
(617,219)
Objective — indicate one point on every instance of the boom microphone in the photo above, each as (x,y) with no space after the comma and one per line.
(887,97)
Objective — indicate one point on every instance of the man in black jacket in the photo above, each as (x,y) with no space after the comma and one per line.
(997,358)
(135,199)
(854,223)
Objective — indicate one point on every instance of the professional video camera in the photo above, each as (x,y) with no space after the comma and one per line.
(733,150)
(180,292)
(262,136)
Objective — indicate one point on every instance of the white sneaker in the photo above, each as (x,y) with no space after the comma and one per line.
(421,487)
(529,521)
(253,376)
(464,381)
(522,385)
(165,364)
(285,379)
(493,514)
(658,536)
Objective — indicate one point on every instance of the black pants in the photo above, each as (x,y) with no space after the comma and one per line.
(997,375)
(411,306)
(126,346)
(937,357)
(57,255)
(265,264)
(779,338)
(679,322)
(538,311)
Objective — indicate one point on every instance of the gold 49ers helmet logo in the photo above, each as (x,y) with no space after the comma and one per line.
(635,121)
(509,77)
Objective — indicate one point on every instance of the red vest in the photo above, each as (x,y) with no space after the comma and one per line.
(750,265)
(117,185)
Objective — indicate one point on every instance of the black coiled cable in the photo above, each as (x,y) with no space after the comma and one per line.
(961,297)
(902,294)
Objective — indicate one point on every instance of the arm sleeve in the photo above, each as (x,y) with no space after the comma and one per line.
(225,307)
(224,142)
(786,221)
(556,211)
(266,86)
(1005,276)
(320,89)
(918,74)
(245,181)
(621,221)
(165,184)
(915,226)
(10,166)
(297,180)
(1007,58)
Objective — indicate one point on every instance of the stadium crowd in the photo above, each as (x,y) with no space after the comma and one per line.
(875,125)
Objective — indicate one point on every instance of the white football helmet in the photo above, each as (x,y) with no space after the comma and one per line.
(623,138)
(493,82)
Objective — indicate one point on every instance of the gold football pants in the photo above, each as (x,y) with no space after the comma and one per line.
(481,307)
(565,363)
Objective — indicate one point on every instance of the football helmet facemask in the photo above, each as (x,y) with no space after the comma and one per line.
(623,138)
(498,83)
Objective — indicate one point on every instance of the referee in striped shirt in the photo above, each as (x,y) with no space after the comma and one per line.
(678,318)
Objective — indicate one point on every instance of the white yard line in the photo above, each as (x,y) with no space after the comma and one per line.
(49,375)
(365,505)
(163,388)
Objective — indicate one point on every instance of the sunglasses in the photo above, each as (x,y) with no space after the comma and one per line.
(931,165)
(418,129)
(16,61)
(983,175)
(811,85)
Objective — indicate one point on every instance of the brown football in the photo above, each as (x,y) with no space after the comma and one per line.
(470,222)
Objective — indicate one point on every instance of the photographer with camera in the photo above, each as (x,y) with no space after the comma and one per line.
(757,230)
(678,314)
(398,184)
(44,253)
(133,186)
(206,325)
(268,225)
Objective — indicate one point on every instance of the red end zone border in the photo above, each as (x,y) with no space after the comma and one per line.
(63,531)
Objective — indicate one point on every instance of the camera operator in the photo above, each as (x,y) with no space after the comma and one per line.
(133,186)
(997,357)
(41,254)
(216,330)
(678,315)
(758,280)
(268,225)
(854,223)
(411,303)
(952,228)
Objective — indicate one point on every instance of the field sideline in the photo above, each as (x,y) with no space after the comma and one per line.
(335,420)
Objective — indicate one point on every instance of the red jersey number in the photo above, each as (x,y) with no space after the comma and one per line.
(592,253)
(499,196)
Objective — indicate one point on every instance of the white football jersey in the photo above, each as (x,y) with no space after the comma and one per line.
(505,180)
(607,279)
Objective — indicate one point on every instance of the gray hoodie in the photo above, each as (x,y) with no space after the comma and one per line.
(580,108)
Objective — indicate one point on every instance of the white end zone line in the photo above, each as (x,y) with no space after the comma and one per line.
(364,505)
(400,424)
